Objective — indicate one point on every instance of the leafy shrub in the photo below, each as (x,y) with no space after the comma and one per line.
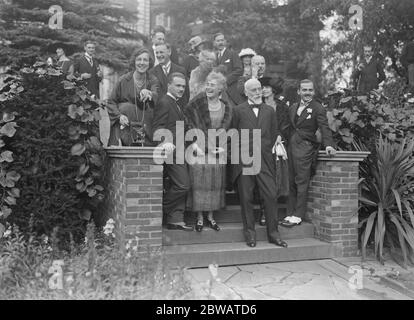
(95,269)
(388,215)
(56,150)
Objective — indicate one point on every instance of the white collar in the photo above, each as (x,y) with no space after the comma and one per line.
(222,51)
(169,94)
(251,102)
(87,55)
(167,66)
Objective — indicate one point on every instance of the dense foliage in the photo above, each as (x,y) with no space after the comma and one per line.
(24,27)
(56,151)
(35,268)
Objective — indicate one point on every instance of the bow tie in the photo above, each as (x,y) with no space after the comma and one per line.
(253,106)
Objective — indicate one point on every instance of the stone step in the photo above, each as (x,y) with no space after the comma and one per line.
(231,232)
(238,253)
(232,214)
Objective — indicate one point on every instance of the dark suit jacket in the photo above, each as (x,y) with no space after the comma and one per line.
(190,62)
(370,76)
(311,119)
(82,65)
(233,69)
(244,118)
(166,115)
(158,72)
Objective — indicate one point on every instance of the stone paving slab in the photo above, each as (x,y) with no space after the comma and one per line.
(301,280)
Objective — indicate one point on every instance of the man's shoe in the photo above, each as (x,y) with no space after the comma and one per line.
(251,243)
(173,226)
(279,242)
(262,220)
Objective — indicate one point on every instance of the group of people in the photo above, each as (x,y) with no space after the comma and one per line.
(215,89)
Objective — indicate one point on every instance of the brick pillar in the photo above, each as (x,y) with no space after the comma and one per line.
(333,200)
(134,187)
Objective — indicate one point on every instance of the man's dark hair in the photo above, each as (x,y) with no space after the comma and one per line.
(158,29)
(218,34)
(175,75)
(164,44)
(60,48)
(89,42)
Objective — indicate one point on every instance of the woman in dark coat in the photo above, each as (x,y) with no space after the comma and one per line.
(130,106)
(208,170)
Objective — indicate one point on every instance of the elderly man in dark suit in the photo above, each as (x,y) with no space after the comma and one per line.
(369,73)
(306,118)
(258,131)
(168,115)
(165,68)
(229,62)
(87,68)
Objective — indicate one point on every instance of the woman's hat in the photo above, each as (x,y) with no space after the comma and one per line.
(194,42)
(247,52)
(275,83)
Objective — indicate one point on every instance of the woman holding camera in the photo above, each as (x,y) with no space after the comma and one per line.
(130,106)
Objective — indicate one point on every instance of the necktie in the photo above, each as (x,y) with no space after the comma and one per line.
(165,70)
(218,55)
(302,107)
(89,60)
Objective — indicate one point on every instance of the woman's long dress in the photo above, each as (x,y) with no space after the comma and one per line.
(208,181)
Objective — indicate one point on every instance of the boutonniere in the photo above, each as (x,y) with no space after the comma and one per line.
(309,110)
(309,117)
(227,61)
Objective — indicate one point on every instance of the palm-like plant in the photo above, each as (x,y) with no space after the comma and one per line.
(385,194)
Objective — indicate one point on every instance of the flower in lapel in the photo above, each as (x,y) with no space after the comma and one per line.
(227,61)
(309,111)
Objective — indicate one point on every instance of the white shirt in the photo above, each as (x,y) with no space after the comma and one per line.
(255,110)
(166,68)
(89,58)
(221,53)
(302,107)
(155,57)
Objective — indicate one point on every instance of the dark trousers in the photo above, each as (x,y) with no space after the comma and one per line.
(300,156)
(267,189)
(176,192)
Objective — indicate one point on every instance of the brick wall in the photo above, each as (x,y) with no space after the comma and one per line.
(333,200)
(134,195)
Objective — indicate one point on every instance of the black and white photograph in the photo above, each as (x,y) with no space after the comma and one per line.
(206,155)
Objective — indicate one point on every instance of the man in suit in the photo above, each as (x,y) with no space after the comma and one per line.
(167,116)
(229,62)
(258,71)
(158,37)
(306,118)
(407,60)
(87,68)
(258,121)
(165,68)
(369,73)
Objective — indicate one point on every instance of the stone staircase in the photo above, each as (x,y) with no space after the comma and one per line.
(227,247)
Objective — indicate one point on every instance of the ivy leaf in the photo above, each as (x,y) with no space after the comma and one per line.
(81,187)
(85,214)
(96,160)
(354,117)
(77,149)
(83,169)
(5,212)
(14,192)
(7,117)
(8,129)
(89,181)
(345,132)
(68,85)
(345,100)
(91,192)
(72,111)
(2,144)
(10,201)
(94,142)
(13,176)
(99,187)
(6,156)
